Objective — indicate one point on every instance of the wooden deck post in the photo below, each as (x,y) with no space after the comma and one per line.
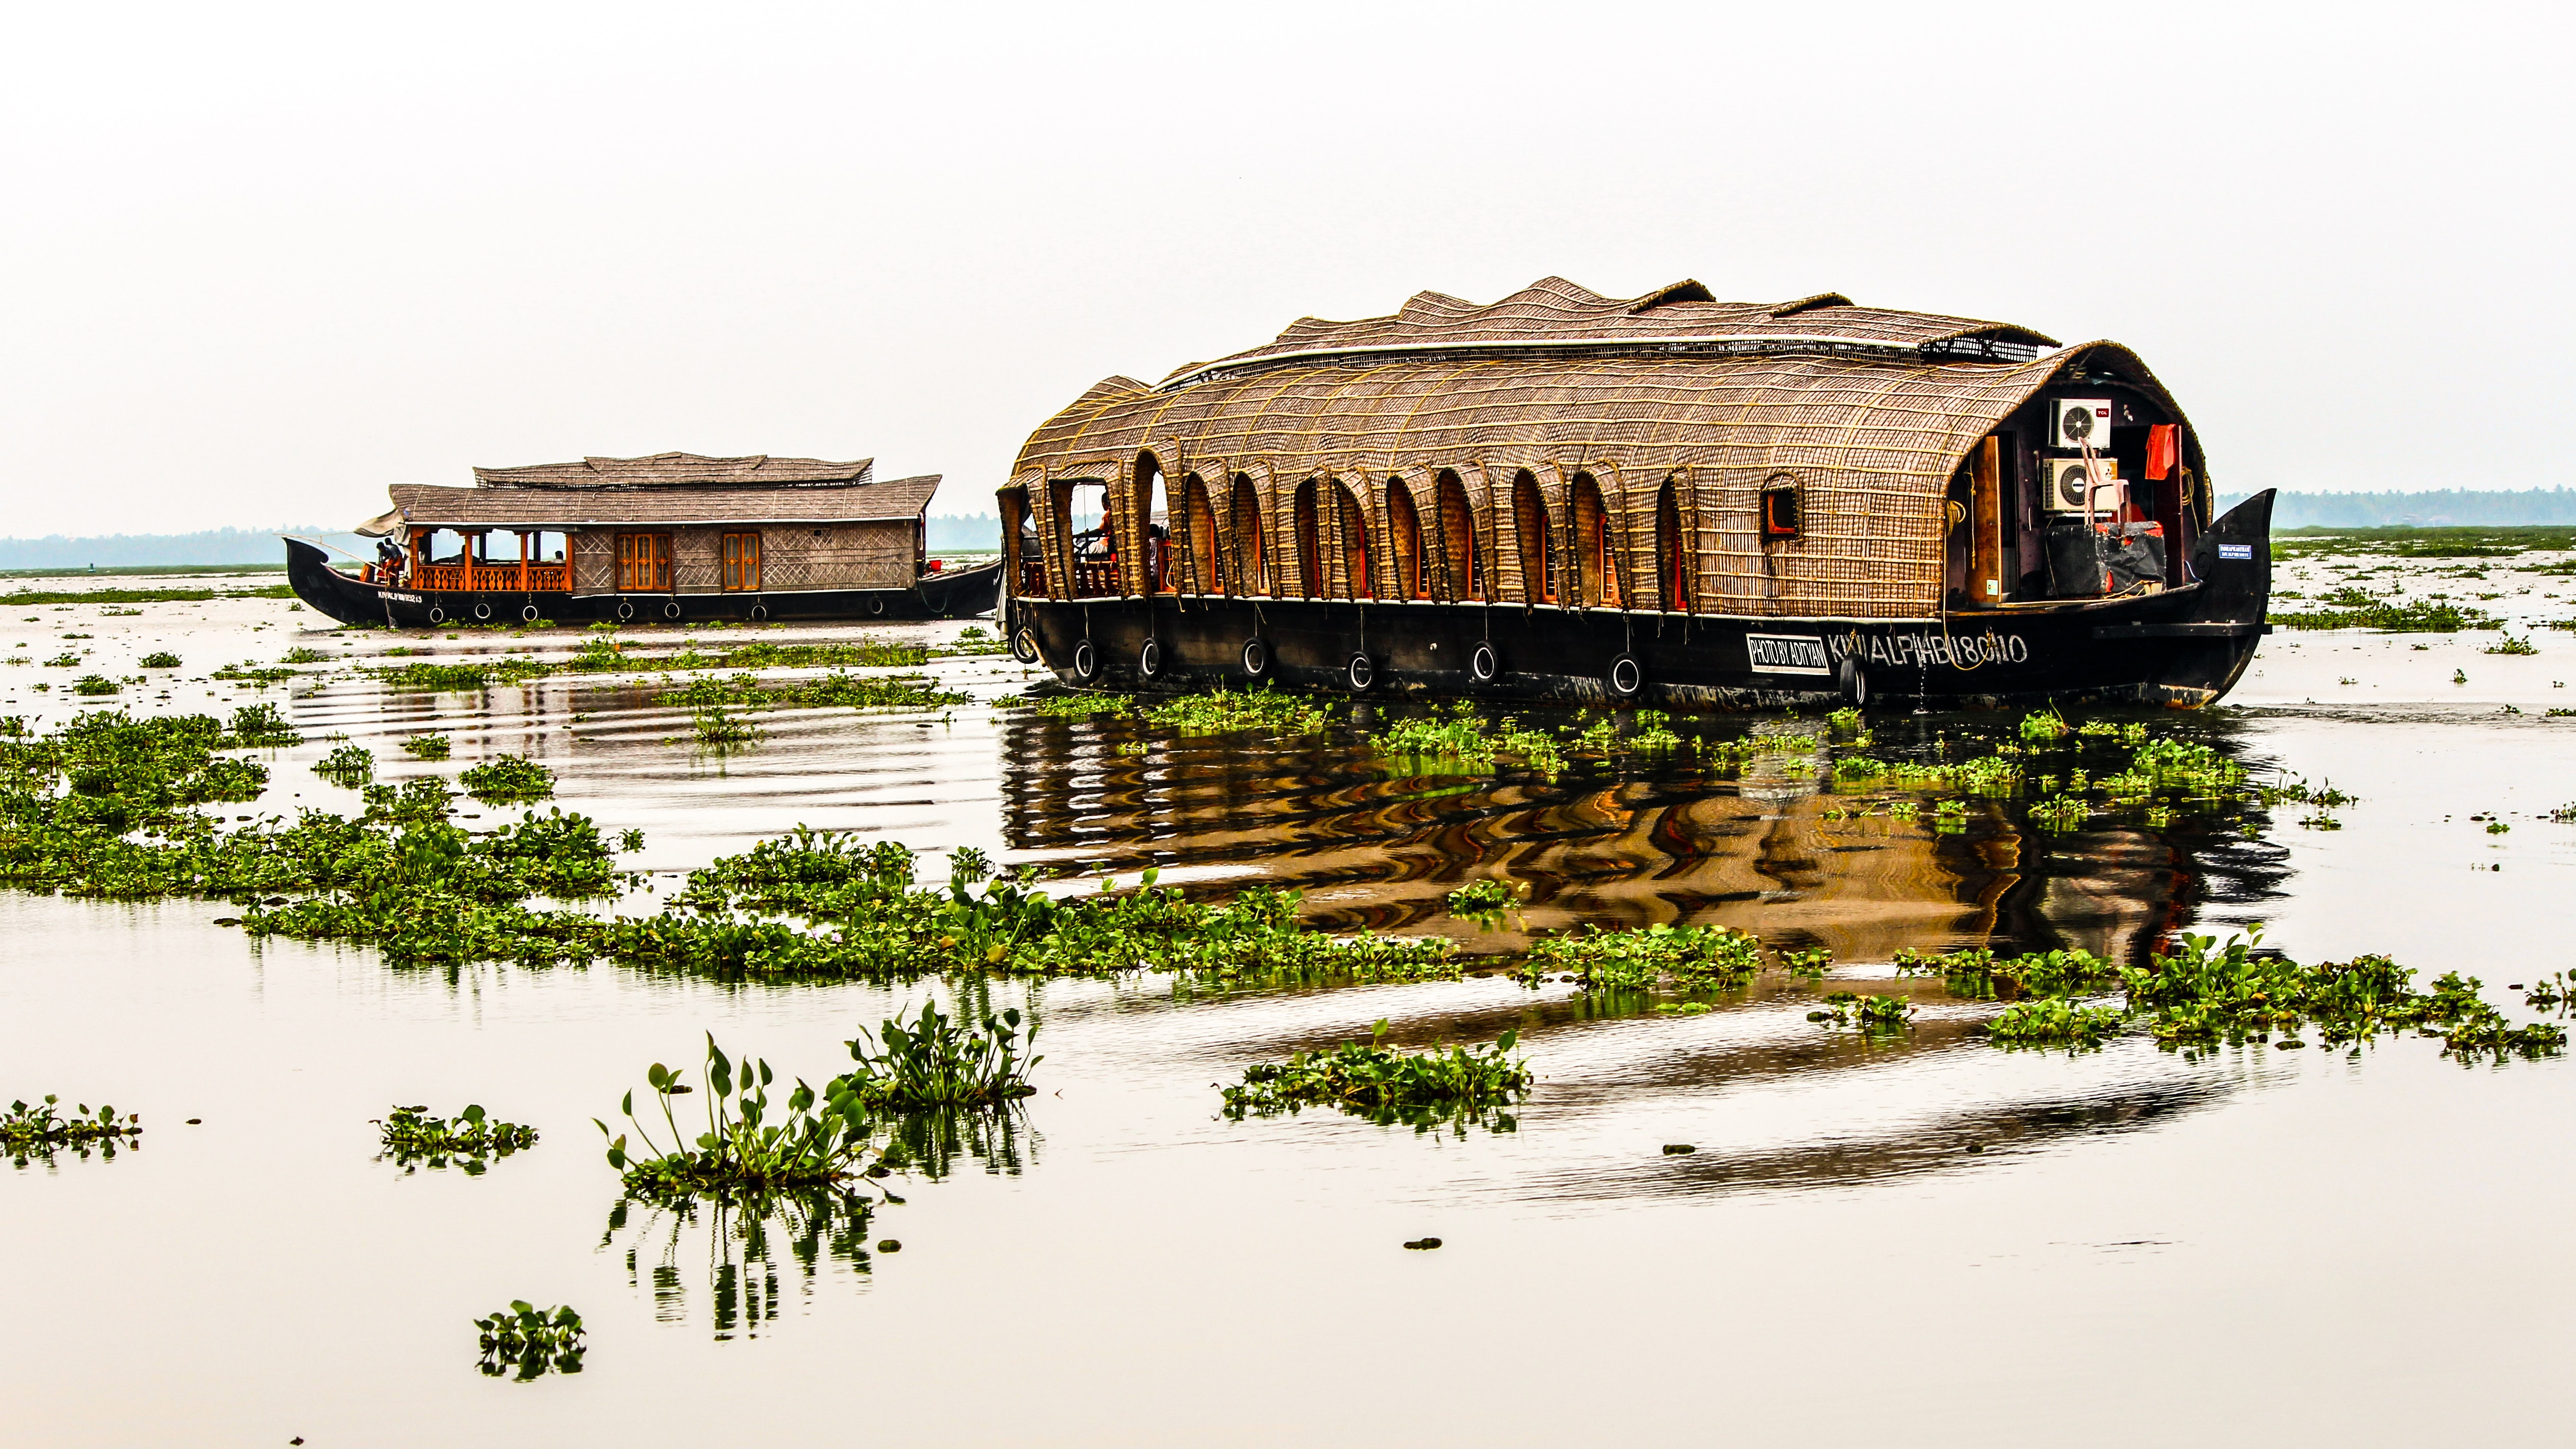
(1986,525)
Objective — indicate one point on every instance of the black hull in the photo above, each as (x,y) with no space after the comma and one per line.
(2185,646)
(964,593)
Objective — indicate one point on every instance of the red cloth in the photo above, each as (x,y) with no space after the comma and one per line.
(2164,451)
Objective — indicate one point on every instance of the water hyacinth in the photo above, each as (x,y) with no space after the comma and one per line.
(1385,1086)
(409,1136)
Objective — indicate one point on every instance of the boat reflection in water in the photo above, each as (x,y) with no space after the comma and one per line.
(1377,842)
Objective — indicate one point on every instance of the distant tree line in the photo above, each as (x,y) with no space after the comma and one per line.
(2435,509)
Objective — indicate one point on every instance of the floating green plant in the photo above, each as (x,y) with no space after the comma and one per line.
(1223,711)
(305,654)
(39,1131)
(349,765)
(2199,994)
(508,778)
(2510,645)
(94,685)
(1876,1015)
(1418,1089)
(935,1061)
(426,747)
(1693,958)
(411,1136)
(1487,899)
(2352,607)
(529,1342)
(814,1141)
(262,726)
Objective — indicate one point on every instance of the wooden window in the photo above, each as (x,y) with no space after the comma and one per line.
(644,563)
(741,563)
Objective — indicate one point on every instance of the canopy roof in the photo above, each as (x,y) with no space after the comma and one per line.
(1555,313)
(430,506)
(679,470)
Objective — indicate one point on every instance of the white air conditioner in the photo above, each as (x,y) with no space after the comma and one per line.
(2066,480)
(2082,420)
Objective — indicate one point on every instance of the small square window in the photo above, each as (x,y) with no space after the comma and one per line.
(1779,508)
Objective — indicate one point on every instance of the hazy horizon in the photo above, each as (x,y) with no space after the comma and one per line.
(260,263)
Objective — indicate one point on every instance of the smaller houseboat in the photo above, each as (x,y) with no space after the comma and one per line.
(671,537)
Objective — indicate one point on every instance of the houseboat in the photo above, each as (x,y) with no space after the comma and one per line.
(674,537)
(1661,499)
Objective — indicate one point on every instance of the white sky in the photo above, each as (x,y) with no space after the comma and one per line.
(255,263)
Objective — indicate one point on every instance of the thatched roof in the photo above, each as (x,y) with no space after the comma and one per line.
(1850,402)
(679,470)
(1555,313)
(426,505)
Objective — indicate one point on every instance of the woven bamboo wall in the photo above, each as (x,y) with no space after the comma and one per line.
(1871,442)
(594,563)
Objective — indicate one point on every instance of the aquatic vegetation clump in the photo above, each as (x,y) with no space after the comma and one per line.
(262,726)
(411,1136)
(1692,958)
(426,747)
(2053,1021)
(1223,711)
(1486,900)
(1080,705)
(93,685)
(2199,994)
(530,1342)
(457,678)
(1981,975)
(2353,607)
(2510,645)
(1464,739)
(1873,1015)
(159,659)
(508,778)
(814,1141)
(349,765)
(935,1061)
(1418,1089)
(39,1131)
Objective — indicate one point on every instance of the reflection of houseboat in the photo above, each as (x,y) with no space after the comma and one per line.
(1570,496)
(670,537)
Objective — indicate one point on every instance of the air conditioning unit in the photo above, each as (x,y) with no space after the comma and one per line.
(2066,480)
(2082,420)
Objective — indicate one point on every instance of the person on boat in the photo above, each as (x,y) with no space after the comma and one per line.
(389,561)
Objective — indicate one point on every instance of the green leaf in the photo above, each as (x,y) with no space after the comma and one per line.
(1509,1040)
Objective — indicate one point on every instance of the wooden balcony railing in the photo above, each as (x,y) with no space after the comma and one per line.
(502,578)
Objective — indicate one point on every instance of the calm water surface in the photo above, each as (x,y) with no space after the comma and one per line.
(2260,1244)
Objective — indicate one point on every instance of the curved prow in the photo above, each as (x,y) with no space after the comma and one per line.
(2233,562)
(326,590)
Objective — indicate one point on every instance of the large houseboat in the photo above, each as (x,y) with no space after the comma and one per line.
(1663,498)
(673,537)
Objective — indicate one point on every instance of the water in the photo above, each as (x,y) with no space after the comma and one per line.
(2280,1243)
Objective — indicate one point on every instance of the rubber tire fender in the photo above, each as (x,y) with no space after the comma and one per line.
(1149,659)
(1024,645)
(1256,657)
(1625,676)
(1086,663)
(1360,673)
(1484,665)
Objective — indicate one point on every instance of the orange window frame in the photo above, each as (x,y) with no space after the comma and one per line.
(644,563)
(741,563)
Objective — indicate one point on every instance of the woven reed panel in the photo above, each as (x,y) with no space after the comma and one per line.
(1870,440)
(594,563)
